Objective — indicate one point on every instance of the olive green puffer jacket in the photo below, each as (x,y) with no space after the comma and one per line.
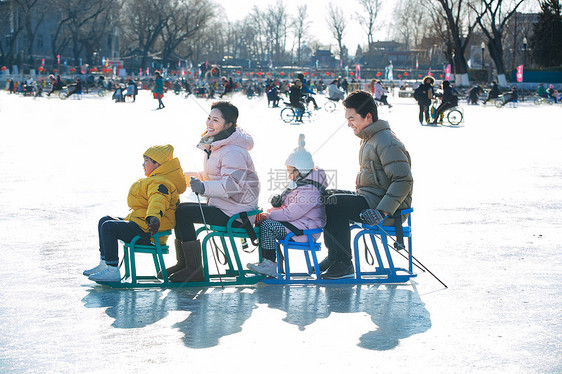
(385,177)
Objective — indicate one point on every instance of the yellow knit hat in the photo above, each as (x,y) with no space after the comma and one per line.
(160,153)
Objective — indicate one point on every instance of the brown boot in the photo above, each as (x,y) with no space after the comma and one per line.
(179,256)
(193,271)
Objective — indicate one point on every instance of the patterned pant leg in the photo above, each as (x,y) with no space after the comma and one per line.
(270,231)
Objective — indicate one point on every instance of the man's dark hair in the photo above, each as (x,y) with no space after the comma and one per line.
(363,103)
(228,110)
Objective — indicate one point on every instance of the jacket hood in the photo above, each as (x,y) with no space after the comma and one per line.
(172,170)
(318,175)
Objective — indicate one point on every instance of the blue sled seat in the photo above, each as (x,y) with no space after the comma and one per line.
(385,271)
(157,251)
(309,250)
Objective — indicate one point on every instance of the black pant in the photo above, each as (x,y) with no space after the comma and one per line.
(424,109)
(510,99)
(383,100)
(443,107)
(340,210)
(310,99)
(112,229)
(187,214)
(490,97)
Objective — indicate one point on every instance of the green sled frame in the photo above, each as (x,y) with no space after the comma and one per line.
(233,275)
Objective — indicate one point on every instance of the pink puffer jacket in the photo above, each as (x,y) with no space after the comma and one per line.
(303,207)
(229,176)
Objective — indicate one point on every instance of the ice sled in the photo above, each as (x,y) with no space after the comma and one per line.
(384,269)
(231,274)
(381,270)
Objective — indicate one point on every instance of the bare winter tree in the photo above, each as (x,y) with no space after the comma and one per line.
(276,26)
(60,39)
(440,35)
(186,19)
(83,21)
(32,18)
(411,22)
(143,22)
(367,17)
(207,46)
(257,43)
(11,26)
(94,32)
(300,28)
(250,37)
(492,17)
(337,24)
(460,27)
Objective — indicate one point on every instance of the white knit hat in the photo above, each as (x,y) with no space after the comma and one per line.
(300,158)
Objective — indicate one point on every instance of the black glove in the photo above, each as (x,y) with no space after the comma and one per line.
(153,224)
(197,186)
(372,217)
(276,201)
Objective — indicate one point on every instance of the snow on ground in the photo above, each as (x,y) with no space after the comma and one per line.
(488,196)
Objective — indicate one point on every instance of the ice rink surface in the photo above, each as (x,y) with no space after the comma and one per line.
(487,200)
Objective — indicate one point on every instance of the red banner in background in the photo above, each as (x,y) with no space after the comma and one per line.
(448,72)
(519,74)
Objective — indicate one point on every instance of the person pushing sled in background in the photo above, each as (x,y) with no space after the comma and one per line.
(153,201)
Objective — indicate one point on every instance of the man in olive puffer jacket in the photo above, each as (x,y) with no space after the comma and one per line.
(384,182)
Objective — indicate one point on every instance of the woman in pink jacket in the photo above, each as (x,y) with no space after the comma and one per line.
(228,180)
(299,207)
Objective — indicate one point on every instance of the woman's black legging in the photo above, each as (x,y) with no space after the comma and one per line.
(187,214)
(424,109)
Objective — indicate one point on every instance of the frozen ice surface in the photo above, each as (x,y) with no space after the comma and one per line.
(487,222)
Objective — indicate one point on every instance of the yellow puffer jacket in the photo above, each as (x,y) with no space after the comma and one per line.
(158,196)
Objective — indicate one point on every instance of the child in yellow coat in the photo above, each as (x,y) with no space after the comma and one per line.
(153,201)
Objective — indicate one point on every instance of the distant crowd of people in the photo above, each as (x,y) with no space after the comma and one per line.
(299,93)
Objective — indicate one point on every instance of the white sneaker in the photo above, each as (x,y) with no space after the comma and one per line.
(102,265)
(109,274)
(266,267)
